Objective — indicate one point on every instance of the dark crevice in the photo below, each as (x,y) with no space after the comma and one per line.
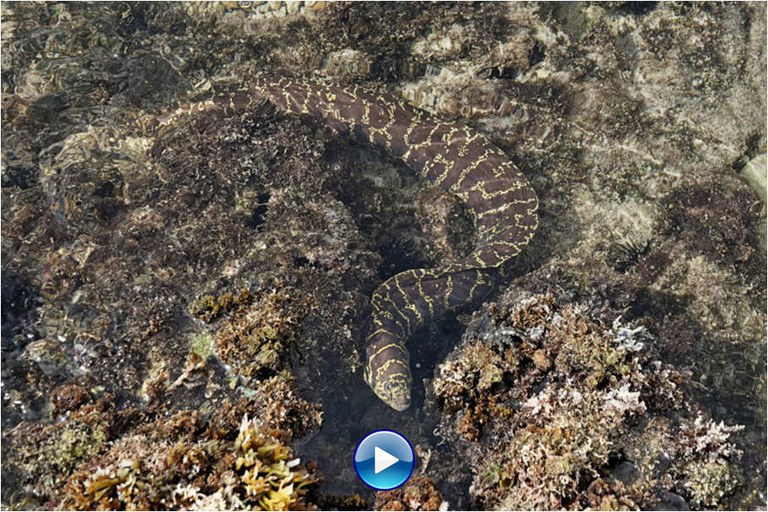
(259,215)
(753,144)
(637,8)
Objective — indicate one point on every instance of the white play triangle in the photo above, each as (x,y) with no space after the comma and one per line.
(382,460)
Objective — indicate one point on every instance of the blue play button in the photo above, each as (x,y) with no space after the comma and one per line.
(384,460)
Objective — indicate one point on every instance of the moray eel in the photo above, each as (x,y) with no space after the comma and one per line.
(500,201)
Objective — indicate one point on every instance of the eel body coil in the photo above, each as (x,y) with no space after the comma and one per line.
(500,201)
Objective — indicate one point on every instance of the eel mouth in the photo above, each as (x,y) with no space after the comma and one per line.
(400,407)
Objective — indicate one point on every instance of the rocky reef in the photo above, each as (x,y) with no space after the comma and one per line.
(577,413)
(419,493)
(182,309)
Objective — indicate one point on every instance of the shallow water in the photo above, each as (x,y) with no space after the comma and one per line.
(167,272)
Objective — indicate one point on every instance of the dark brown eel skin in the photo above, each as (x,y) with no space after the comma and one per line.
(501,202)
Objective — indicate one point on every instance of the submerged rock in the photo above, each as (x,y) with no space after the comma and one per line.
(562,412)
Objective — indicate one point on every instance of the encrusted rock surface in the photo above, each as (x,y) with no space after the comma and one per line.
(419,493)
(567,411)
(159,288)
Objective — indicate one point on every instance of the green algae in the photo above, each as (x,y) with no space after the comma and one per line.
(202,345)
